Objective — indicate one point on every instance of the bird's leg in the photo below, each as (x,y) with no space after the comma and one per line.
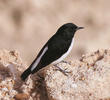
(41,77)
(63,71)
(63,61)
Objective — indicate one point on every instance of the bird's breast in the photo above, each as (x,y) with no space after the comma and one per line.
(65,54)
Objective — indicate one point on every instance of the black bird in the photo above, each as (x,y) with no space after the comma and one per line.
(55,50)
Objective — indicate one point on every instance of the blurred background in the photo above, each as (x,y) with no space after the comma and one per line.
(25,25)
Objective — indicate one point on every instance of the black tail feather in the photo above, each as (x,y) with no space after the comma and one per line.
(25,74)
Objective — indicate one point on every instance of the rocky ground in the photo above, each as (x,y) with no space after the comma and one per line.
(88,79)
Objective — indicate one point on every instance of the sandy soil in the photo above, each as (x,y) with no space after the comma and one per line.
(88,78)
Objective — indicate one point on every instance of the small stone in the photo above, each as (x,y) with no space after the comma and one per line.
(21,96)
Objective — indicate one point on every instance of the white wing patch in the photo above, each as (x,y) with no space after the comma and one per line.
(64,55)
(39,58)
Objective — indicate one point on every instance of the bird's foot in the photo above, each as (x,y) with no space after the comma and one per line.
(63,71)
(65,62)
(40,76)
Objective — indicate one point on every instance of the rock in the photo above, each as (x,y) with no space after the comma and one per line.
(21,96)
(88,79)
(11,66)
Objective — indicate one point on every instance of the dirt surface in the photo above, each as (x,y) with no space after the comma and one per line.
(88,79)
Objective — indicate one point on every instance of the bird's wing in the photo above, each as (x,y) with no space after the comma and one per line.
(56,48)
(53,50)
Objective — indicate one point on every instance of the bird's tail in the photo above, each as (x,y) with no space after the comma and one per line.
(25,74)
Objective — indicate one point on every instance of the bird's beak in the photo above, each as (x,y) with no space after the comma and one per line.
(80,28)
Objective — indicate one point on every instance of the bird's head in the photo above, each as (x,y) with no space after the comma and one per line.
(68,30)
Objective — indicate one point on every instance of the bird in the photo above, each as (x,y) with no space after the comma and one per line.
(55,50)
